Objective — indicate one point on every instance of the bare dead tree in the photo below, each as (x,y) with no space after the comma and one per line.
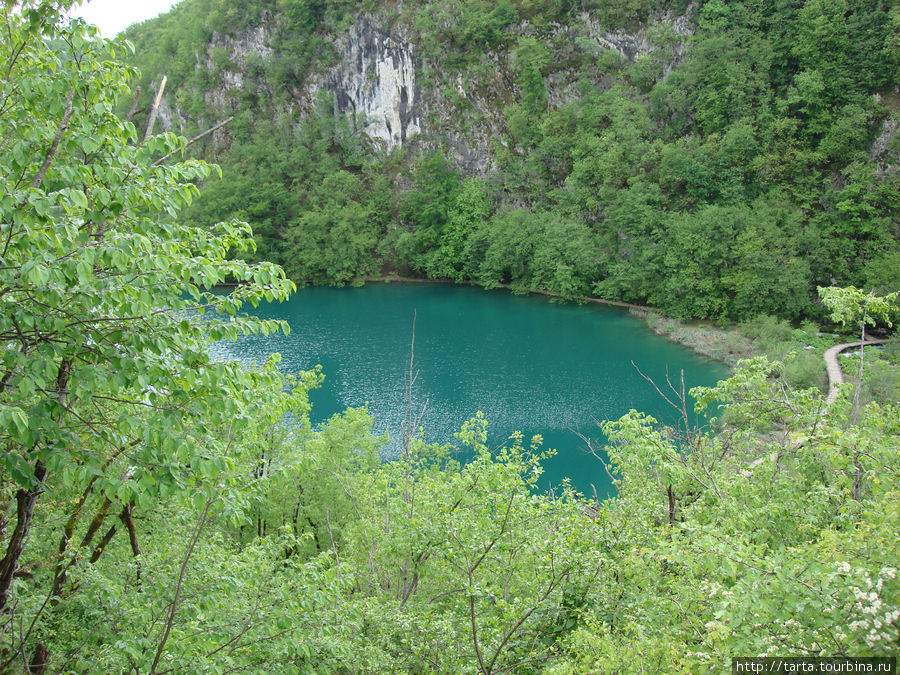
(691,437)
(412,421)
(194,140)
(154,110)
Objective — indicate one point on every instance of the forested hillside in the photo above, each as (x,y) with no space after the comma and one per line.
(164,512)
(714,159)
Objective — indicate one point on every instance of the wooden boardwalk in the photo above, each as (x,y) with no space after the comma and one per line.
(835,378)
(835,374)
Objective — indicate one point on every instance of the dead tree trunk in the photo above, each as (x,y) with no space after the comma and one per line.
(154,111)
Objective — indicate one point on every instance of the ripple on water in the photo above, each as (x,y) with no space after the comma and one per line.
(526,363)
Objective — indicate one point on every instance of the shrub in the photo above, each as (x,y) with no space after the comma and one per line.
(806,370)
(891,350)
(881,382)
(768,330)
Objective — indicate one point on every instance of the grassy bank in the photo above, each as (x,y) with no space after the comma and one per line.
(800,348)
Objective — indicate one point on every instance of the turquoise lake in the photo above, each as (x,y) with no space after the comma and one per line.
(527,363)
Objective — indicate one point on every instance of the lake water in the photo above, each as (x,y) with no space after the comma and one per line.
(527,363)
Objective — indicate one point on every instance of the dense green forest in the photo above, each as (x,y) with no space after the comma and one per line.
(744,155)
(164,512)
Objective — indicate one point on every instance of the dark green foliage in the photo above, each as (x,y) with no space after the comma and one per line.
(719,174)
(426,208)
(458,29)
(471,210)
(318,201)
(332,240)
(504,245)
(883,272)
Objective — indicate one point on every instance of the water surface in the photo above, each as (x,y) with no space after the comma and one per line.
(527,363)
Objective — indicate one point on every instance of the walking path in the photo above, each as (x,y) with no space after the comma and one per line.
(835,377)
(835,374)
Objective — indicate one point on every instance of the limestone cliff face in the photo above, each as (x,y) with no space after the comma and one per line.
(373,82)
(885,149)
(237,54)
(376,81)
(632,45)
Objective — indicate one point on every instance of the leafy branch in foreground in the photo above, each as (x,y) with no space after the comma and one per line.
(106,386)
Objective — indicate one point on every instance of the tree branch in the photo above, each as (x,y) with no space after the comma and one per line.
(182,572)
(63,125)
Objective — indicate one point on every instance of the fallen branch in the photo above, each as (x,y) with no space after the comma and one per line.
(194,139)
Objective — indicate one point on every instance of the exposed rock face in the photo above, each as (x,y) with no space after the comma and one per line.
(170,118)
(881,150)
(375,82)
(631,46)
(238,50)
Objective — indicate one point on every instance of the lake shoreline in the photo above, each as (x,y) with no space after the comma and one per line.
(725,344)
(719,344)
(393,278)
(542,368)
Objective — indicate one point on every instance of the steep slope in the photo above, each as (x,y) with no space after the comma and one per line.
(712,159)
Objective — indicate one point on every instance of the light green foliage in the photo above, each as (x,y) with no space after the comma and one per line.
(480,572)
(109,401)
(771,559)
(437,566)
(881,380)
(851,305)
(855,306)
(255,584)
(98,282)
(892,349)
(244,606)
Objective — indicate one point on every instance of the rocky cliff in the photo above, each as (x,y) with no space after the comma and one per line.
(375,77)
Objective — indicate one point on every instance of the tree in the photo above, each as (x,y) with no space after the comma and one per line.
(471,209)
(469,568)
(106,384)
(775,559)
